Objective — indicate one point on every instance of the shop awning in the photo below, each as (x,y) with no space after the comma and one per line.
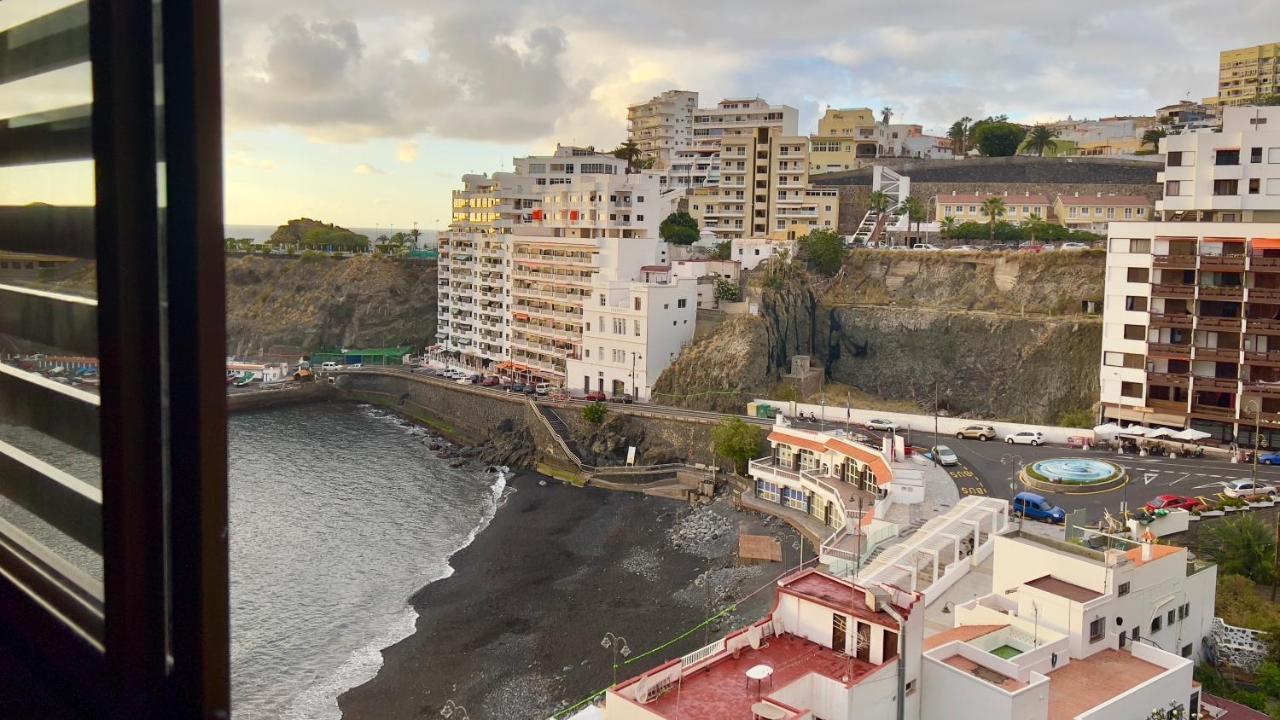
(1266,243)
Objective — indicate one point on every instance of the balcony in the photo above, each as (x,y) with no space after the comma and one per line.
(1215,384)
(1167,320)
(1169,350)
(1169,290)
(1218,323)
(1231,355)
(1222,263)
(1222,292)
(1213,412)
(1178,380)
(1258,262)
(1270,358)
(1266,389)
(1175,262)
(1264,295)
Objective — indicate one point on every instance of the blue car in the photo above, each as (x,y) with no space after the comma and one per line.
(1037,508)
(1269,458)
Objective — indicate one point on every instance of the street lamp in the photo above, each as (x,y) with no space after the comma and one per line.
(1256,407)
(1016,462)
(618,644)
(452,708)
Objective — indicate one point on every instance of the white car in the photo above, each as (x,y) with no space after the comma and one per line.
(1077,246)
(882,424)
(945,456)
(1025,437)
(925,246)
(1247,488)
(356,366)
(963,248)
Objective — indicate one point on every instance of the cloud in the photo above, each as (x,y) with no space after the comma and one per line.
(246,159)
(407,152)
(367,169)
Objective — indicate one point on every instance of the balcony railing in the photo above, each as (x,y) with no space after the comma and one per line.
(1223,354)
(1168,406)
(1209,383)
(1214,411)
(1262,324)
(1212,292)
(1268,295)
(1168,290)
(1263,358)
(1175,262)
(1258,262)
(1270,389)
(1169,349)
(1177,320)
(1180,380)
(1222,262)
(1218,323)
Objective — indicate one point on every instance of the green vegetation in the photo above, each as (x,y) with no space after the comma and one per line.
(1270,99)
(916,211)
(335,239)
(825,251)
(727,291)
(1152,138)
(723,251)
(996,136)
(595,413)
(1240,603)
(679,229)
(959,133)
(1006,232)
(239,244)
(737,442)
(310,256)
(1039,140)
(1076,419)
(631,152)
(1243,546)
(878,201)
(994,209)
(947,227)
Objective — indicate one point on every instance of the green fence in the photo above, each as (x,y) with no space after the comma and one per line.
(393,356)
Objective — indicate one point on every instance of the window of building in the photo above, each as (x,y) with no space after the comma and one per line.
(1123,589)
(1227,157)
(1111,213)
(1071,212)
(1137,274)
(1131,389)
(602,301)
(639,218)
(1186,650)
(1184,610)
(1273,155)
(1140,245)
(1128,213)
(1172,188)
(1173,159)
(681,303)
(1135,332)
(1273,186)
(636,327)
(1135,302)
(1171,615)
(1255,155)
(637,303)
(1113,359)
(1226,187)
(1097,629)
(619,326)
(1255,186)
(1157,623)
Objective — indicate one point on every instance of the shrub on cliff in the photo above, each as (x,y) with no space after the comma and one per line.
(824,251)
(738,442)
(595,413)
(728,290)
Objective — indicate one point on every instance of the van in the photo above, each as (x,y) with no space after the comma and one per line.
(329,366)
(542,388)
(1037,508)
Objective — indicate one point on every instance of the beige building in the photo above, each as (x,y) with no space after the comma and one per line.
(968,208)
(846,138)
(1246,73)
(1093,212)
(662,125)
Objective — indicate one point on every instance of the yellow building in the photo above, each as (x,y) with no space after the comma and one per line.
(1246,73)
(846,140)
(764,189)
(968,208)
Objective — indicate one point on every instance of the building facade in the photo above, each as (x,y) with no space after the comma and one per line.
(1093,213)
(968,208)
(1191,324)
(1244,74)
(661,125)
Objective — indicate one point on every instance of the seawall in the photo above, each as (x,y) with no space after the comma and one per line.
(288,394)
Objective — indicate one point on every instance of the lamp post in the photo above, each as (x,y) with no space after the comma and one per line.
(634,395)
(934,454)
(452,708)
(617,644)
(1256,407)
(1016,462)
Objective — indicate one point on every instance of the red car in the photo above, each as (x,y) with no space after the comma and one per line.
(1172,502)
(595,397)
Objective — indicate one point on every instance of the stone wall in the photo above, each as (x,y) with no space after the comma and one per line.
(1237,648)
(283,395)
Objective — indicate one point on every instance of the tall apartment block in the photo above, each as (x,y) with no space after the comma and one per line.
(1191,327)
(1244,74)
(661,125)
(697,164)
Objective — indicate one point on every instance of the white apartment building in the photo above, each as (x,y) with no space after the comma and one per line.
(1071,632)
(632,331)
(662,125)
(697,164)
(1191,323)
(751,251)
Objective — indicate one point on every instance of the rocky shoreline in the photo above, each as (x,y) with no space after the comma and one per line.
(515,632)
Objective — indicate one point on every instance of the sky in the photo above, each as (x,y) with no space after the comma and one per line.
(367,113)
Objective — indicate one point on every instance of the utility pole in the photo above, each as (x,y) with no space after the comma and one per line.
(1257,424)
(934,454)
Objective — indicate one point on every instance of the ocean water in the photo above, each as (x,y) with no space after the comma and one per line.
(338,514)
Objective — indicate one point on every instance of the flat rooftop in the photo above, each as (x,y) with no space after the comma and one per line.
(1089,682)
(721,690)
(829,592)
(1000,680)
(1062,588)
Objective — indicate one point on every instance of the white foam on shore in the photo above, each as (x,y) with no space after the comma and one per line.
(319,701)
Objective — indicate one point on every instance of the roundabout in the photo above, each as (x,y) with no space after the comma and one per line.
(1074,475)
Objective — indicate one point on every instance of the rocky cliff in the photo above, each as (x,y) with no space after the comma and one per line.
(1002,336)
(288,305)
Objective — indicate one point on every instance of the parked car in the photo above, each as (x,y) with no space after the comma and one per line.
(490,381)
(963,248)
(329,366)
(476,379)
(1034,506)
(944,456)
(542,388)
(1028,246)
(356,366)
(1269,458)
(595,397)
(1076,246)
(925,246)
(882,424)
(1247,488)
(1172,502)
(1025,437)
(976,432)
(517,387)
(624,398)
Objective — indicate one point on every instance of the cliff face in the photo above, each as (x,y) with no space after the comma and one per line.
(288,305)
(1003,337)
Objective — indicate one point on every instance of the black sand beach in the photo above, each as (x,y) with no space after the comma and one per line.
(516,631)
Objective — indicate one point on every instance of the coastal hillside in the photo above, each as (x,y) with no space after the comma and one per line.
(1005,336)
(280,305)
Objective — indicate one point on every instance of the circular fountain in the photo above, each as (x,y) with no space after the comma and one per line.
(1074,475)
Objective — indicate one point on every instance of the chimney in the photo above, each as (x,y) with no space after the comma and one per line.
(1146,552)
(870,599)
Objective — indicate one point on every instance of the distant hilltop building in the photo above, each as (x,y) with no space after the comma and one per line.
(850,138)
(1245,74)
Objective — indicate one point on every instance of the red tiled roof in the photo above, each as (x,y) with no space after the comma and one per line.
(1106,200)
(1157,552)
(1062,588)
(1088,682)
(964,633)
(1008,199)
(878,464)
(829,592)
(1235,711)
(655,268)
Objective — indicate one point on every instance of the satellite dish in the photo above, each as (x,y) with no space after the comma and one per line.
(1053,660)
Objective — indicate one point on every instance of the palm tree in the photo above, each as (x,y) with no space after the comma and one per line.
(1040,139)
(630,152)
(1034,224)
(1152,138)
(993,208)
(916,211)
(885,113)
(959,134)
(947,226)
(878,201)
(1243,546)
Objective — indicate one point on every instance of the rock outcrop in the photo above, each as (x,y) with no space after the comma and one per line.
(285,305)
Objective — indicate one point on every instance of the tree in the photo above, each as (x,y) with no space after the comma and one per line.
(998,138)
(630,152)
(727,291)
(1035,224)
(1269,99)
(679,228)
(825,251)
(993,208)
(878,201)
(1040,139)
(947,227)
(737,442)
(1152,137)
(916,211)
(886,113)
(595,413)
(1243,546)
(959,134)
(723,251)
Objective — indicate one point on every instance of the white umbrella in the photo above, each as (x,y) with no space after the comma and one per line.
(1191,434)
(1160,432)
(1107,429)
(1135,430)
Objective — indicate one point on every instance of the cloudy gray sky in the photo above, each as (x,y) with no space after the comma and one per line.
(367,112)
